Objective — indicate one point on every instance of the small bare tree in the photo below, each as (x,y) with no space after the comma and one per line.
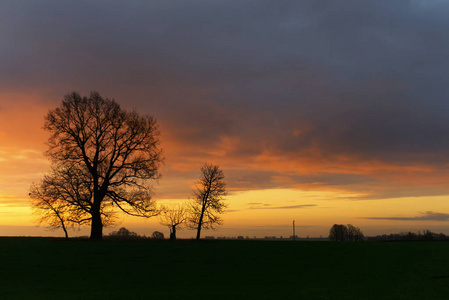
(207,205)
(61,197)
(50,210)
(173,217)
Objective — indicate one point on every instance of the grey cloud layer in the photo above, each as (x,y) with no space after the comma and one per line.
(361,79)
(283,207)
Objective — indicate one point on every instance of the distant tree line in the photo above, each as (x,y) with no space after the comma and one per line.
(409,236)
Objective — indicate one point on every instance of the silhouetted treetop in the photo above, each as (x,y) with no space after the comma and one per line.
(109,141)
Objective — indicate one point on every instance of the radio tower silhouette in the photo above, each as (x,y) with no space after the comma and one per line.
(294,235)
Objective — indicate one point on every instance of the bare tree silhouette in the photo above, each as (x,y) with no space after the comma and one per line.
(173,217)
(60,199)
(115,151)
(50,210)
(207,204)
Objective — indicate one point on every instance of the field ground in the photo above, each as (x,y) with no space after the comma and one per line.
(46,268)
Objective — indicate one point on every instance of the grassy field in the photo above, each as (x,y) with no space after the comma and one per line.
(44,268)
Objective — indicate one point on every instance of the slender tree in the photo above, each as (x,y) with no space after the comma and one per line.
(173,217)
(49,209)
(115,151)
(52,213)
(207,203)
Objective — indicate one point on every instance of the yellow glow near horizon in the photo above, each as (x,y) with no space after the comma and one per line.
(16,215)
(272,210)
(265,209)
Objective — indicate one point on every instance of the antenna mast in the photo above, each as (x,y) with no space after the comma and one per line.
(294,235)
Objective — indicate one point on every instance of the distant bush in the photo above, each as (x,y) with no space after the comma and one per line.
(157,235)
(341,233)
(123,234)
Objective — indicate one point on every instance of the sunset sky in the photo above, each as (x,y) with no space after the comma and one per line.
(321,112)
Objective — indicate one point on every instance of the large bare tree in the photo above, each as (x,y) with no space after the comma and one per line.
(207,204)
(116,152)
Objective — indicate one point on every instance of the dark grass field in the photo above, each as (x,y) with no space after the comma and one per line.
(44,268)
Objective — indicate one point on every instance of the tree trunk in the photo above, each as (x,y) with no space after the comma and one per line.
(173,233)
(96,230)
(200,225)
(198,232)
(203,209)
(65,231)
(62,223)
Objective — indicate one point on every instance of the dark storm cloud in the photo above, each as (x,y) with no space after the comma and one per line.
(364,80)
(425,216)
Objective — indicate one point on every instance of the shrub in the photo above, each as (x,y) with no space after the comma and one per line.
(157,235)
